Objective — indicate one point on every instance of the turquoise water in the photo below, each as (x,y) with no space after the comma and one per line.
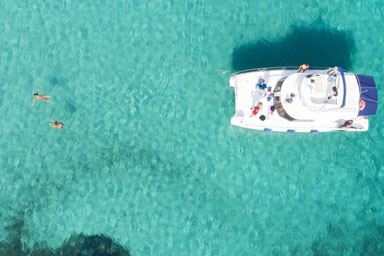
(147,155)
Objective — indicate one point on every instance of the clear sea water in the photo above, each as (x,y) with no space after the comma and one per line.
(147,155)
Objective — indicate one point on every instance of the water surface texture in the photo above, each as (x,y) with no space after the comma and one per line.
(148,157)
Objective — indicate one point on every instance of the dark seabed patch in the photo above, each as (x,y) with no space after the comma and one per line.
(70,106)
(54,81)
(76,245)
(57,81)
(320,47)
(338,238)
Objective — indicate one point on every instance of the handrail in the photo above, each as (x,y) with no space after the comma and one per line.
(275,68)
(264,69)
(344,86)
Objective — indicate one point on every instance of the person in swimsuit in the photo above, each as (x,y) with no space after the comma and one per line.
(56,124)
(346,124)
(40,97)
(303,68)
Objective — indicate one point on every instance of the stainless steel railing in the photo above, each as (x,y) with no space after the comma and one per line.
(276,68)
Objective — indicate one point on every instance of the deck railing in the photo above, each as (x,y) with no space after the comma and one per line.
(276,68)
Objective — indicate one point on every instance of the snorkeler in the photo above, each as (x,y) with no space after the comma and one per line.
(56,124)
(40,97)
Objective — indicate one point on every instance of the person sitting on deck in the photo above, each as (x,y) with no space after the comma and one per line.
(303,68)
(276,106)
(261,84)
(332,71)
(269,93)
(289,98)
(257,108)
(332,78)
(334,92)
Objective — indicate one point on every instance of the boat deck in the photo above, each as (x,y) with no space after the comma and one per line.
(248,95)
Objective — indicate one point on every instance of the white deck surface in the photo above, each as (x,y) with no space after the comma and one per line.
(309,107)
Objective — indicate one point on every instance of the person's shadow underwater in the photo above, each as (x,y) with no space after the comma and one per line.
(317,47)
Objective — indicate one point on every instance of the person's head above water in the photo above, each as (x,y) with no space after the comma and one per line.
(56,125)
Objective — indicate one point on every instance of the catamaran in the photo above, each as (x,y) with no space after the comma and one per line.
(313,100)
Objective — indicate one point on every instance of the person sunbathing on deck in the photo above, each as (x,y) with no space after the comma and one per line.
(346,124)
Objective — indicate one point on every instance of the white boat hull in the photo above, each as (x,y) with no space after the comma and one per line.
(326,118)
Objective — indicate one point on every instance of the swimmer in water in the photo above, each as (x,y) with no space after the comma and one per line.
(40,97)
(56,124)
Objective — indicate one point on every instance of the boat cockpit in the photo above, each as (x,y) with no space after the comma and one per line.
(301,96)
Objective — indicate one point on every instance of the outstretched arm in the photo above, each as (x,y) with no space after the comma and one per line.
(34,99)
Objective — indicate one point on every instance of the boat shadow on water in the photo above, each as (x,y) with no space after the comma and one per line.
(324,47)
